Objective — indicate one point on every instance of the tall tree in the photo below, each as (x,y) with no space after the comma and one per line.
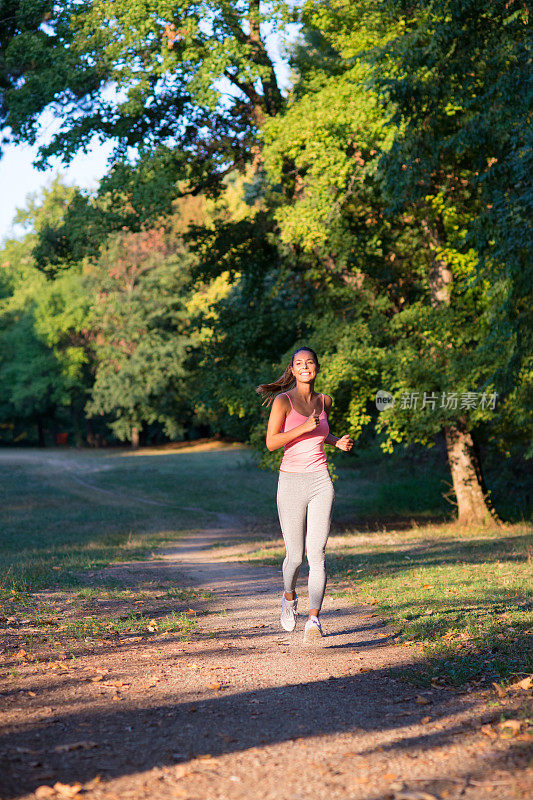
(193,77)
(414,318)
(458,76)
(141,334)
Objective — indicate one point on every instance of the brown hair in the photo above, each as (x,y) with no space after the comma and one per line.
(268,391)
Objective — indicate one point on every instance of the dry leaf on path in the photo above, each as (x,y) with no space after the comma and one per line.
(402,792)
(488,730)
(509,728)
(67,748)
(67,789)
(43,792)
(421,700)
(523,685)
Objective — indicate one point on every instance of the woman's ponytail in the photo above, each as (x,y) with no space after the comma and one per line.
(268,391)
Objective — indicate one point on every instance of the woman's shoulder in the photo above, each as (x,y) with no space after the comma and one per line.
(281,400)
(327,401)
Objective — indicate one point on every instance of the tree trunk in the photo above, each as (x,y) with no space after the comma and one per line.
(40,432)
(472,501)
(135,437)
(473,504)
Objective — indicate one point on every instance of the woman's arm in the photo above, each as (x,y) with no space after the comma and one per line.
(342,442)
(274,438)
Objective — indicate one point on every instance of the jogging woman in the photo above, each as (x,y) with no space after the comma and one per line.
(299,423)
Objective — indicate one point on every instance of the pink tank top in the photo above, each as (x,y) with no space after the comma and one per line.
(306,453)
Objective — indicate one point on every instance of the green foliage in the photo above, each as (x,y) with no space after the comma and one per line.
(459,78)
(141,334)
(148,73)
(44,358)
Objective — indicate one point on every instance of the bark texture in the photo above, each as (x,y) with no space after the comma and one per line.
(473,505)
(472,502)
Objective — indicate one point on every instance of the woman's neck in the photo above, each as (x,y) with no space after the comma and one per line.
(305,391)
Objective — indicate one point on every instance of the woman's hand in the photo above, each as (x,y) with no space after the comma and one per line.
(344,443)
(310,423)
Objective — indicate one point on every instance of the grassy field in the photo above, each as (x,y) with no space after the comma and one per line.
(68,511)
(461,598)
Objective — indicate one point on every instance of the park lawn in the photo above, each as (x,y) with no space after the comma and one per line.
(65,513)
(462,599)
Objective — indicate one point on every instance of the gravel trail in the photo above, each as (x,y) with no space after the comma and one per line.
(244,711)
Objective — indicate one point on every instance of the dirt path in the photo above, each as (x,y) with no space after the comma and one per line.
(244,710)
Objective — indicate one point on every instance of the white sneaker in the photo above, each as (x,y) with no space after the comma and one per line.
(313,630)
(288,613)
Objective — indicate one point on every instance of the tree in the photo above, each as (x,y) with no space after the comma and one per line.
(43,314)
(458,76)
(414,318)
(141,334)
(193,77)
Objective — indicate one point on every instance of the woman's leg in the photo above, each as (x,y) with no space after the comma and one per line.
(292,511)
(318,522)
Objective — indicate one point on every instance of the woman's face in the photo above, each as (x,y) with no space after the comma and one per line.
(304,367)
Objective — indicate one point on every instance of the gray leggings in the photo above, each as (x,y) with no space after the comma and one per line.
(305,497)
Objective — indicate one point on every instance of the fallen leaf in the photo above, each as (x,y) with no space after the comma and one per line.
(215,686)
(523,685)
(44,791)
(389,776)
(67,789)
(500,691)
(421,700)
(402,792)
(21,653)
(425,720)
(488,730)
(67,748)
(509,728)
(427,586)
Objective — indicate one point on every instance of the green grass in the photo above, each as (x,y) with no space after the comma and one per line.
(464,600)
(66,512)
(98,627)
(55,528)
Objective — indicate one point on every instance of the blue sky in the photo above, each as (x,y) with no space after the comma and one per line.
(19,178)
